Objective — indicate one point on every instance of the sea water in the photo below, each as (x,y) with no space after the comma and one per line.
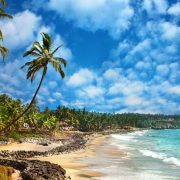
(150,155)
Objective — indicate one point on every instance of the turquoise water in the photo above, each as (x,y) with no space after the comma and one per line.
(151,155)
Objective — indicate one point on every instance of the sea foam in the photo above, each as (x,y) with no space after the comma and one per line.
(161,156)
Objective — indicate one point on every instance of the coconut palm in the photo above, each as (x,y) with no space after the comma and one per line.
(3,14)
(43,55)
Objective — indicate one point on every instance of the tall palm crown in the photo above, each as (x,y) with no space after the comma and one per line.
(3,14)
(43,55)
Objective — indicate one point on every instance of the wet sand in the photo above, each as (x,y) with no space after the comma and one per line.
(79,164)
(72,163)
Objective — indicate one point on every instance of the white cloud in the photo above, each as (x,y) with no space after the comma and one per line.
(82,77)
(143,65)
(57,95)
(92,92)
(133,101)
(159,6)
(20,31)
(113,16)
(174,89)
(162,70)
(174,9)
(145,44)
(64,52)
(112,74)
(51,100)
(126,87)
(170,31)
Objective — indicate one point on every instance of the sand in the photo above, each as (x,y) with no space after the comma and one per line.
(28,147)
(70,162)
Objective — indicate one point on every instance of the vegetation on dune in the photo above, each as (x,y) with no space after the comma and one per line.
(6,173)
(43,56)
(3,14)
(63,118)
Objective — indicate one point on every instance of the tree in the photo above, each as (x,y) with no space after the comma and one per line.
(43,55)
(3,14)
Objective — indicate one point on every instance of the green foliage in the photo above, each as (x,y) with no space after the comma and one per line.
(18,135)
(44,54)
(10,108)
(3,14)
(50,120)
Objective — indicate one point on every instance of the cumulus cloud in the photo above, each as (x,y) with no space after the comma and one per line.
(112,74)
(57,95)
(141,75)
(112,16)
(21,30)
(170,31)
(159,6)
(174,9)
(82,77)
(91,91)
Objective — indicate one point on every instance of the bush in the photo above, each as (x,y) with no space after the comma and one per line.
(18,135)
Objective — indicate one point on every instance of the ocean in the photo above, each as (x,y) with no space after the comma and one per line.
(141,155)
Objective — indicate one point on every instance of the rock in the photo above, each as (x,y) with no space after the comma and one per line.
(42,171)
(43,144)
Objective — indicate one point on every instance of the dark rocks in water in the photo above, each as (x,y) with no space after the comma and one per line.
(36,170)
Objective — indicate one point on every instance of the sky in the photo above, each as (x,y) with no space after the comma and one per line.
(123,55)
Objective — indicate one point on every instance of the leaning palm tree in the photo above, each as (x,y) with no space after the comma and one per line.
(43,55)
(3,14)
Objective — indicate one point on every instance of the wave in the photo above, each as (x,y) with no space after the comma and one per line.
(122,137)
(139,133)
(129,136)
(161,156)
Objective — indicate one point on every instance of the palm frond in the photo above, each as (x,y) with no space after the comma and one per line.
(3,51)
(43,55)
(56,50)
(58,68)
(37,45)
(32,52)
(3,2)
(1,36)
(3,14)
(47,41)
(61,60)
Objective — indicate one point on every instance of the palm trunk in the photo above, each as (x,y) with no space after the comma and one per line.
(29,106)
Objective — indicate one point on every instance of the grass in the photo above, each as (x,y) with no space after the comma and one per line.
(6,173)
(18,135)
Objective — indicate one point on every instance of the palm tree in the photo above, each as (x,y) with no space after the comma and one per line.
(43,55)
(3,14)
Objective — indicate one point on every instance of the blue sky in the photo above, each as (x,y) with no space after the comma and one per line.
(123,56)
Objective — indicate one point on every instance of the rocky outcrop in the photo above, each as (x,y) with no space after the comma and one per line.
(73,146)
(36,170)
(41,170)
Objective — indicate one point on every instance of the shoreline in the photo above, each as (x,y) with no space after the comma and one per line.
(77,162)
(71,161)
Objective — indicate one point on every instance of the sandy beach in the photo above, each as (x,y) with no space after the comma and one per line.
(70,162)
(82,164)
